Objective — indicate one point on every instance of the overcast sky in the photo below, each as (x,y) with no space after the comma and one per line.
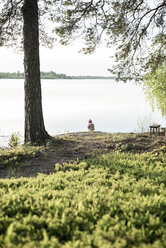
(61,59)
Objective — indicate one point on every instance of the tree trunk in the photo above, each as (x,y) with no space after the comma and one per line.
(34,123)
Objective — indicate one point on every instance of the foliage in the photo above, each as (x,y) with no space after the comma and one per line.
(11,22)
(136,29)
(14,140)
(13,156)
(13,75)
(155,89)
(113,200)
(48,75)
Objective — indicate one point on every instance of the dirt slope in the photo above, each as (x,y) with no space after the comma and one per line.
(73,146)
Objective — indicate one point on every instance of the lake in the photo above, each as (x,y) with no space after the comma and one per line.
(68,105)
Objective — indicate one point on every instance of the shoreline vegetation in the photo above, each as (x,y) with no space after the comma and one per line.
(49,75)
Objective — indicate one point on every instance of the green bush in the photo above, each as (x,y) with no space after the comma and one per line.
(12,156)
(14,140)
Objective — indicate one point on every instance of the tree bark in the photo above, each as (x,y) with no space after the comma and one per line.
(34,123)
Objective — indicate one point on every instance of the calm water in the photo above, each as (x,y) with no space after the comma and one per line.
(68,104)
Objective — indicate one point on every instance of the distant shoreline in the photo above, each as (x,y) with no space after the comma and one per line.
(49,75)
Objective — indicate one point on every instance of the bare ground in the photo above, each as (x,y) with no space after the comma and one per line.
(79,146)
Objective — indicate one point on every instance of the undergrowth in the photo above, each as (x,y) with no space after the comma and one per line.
(13,156)
(113,200)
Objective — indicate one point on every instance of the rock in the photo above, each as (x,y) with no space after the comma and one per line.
(49,142)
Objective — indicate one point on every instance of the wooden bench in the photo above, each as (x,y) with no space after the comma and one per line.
(154,129)
(163,130)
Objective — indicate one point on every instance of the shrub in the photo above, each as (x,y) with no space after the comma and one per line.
(14,140)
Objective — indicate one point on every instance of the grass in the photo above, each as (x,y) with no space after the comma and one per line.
(116,200)
(18,153)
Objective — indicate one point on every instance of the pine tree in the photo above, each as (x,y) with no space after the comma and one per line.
(20,21)
(135,29)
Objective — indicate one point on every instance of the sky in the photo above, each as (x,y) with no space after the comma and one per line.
(61,59)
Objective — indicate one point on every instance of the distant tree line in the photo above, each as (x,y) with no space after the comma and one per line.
(13,75)
(49,75)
